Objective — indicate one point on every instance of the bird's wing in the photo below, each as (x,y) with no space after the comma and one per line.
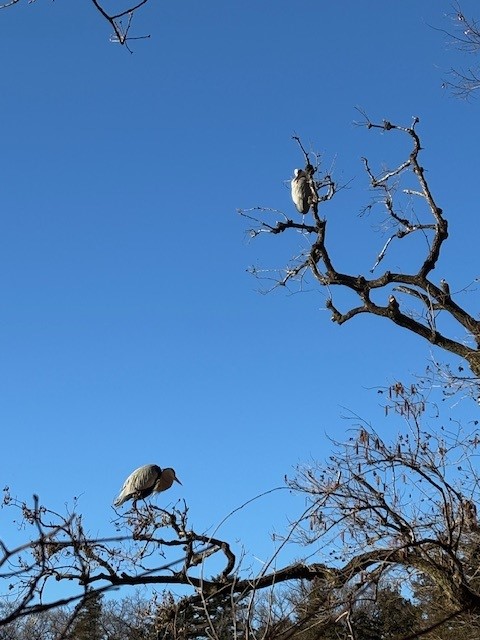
(142,478)
(300,192)
(139,480)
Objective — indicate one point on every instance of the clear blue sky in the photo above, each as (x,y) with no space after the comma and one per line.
(130,331)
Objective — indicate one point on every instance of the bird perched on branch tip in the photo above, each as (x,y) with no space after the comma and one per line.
(144,481)
(300,191)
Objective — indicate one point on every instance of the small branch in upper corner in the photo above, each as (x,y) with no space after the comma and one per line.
(8,4)
(120,34)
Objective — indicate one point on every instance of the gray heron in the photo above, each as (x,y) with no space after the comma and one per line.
(300,191)
(144,481)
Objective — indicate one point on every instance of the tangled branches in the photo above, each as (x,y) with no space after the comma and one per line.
(413,299)
(62,551)
(405,508)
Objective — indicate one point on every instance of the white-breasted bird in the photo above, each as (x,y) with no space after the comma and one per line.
(300,191)
(144,481)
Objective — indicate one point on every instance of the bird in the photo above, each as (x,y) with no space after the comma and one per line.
(300,191)
(144,481)
(445,287)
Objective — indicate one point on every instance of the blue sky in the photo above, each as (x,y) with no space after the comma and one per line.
(130,331)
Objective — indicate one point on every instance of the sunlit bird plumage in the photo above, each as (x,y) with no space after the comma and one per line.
(300,191)
(144,481)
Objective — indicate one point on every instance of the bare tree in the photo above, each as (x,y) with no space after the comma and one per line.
(376,509)
(413,299)
(405,509)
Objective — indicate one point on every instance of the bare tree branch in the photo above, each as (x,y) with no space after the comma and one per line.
(417,284)
(121,32)
(464,35)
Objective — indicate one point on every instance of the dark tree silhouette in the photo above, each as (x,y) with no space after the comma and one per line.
(413,299)
(376,509)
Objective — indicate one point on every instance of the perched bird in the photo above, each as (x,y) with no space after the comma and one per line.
(444,286)
(300,191)
(144,481)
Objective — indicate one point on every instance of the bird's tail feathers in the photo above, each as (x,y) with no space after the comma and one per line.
(120,499)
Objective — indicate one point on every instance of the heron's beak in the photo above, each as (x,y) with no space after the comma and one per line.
(177,480)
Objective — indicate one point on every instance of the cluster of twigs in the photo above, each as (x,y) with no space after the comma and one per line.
(465,37)
(60,550)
